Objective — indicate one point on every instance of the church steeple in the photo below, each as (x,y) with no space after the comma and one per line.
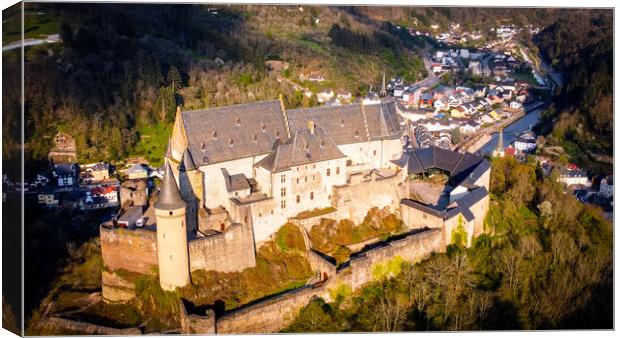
(383,92)
(169,195)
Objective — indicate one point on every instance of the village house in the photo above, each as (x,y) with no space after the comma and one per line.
(571,175)
(65,174)
(137,171)
(325,95)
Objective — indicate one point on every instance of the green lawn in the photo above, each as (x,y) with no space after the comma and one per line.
(37,24)
(153,142)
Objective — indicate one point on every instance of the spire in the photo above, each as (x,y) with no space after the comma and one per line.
(168,152)
(500,142)
(169,195)
(383,92)
(187,162)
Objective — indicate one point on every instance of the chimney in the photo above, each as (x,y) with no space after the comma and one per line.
(311,127)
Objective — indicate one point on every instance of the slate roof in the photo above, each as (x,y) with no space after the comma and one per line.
(463,205)
(233,132)
(169,195)
(383,121)
(345,123)
(304,147)
(463,168)
(187,162)
(235,182)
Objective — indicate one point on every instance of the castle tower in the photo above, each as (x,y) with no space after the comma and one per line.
(172,250)
(189,181)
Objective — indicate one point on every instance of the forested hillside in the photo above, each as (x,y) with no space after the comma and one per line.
(121,70)
(580,44)
(545,263)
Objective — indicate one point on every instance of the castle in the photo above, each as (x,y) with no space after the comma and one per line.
(234,175)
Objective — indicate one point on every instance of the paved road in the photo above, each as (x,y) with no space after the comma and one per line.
(31,42)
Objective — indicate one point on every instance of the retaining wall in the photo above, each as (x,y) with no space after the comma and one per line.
(276,312)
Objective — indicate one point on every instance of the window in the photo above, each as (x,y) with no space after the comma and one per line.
(374,153)
(283,204)
(297,180)
(282,178)
(328,171)
(214,135)
(337,170)
(312,195)
(245,219)
(329,197)
(349,162)
(306,178)
(238,122)
(314,177)
(298,198)
(283,192)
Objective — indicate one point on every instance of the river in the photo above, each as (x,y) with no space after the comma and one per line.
(514,130)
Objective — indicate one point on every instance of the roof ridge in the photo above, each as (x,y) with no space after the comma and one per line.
(230,105)
(457,163)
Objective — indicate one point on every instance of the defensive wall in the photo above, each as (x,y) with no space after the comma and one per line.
(135,251)
(363,192)
(274,313)
(228,251)
(132,250)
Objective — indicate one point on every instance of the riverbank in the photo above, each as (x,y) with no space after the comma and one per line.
(512,131)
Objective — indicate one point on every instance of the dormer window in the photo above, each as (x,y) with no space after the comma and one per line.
(263,128)
(255,138)
(277,134)
(307,147)
(357,134)
(231,142)
(202,146)
(342,122)
(238,122)
(214,135)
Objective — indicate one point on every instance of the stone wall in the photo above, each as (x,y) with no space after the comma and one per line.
(67,325)
(132,250)
(354,200)
(278,311)
(193,323)
(229,251)
(116,289)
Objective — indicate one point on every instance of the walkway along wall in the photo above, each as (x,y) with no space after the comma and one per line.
(276,312)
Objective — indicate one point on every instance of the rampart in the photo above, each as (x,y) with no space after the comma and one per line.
(354,199)
(274,313)
(229,251)
(131,250)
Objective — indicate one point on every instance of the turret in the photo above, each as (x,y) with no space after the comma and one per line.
(172,250)
(190,180)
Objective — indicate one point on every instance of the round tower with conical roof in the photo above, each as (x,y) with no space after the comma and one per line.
(172,250)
